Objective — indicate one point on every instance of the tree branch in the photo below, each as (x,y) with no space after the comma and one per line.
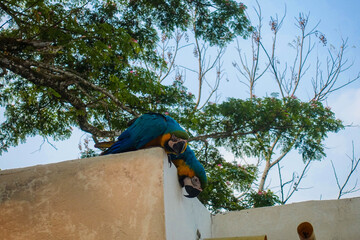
(354,165)
(59,80)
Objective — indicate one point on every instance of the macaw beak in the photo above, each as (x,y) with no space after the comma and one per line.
(192,192)
(178,146)
(193,188)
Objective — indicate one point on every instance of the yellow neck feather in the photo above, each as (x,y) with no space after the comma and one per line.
(183,169)
(159,141)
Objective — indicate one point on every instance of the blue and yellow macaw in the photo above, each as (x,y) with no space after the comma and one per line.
(150,130)
(190,171)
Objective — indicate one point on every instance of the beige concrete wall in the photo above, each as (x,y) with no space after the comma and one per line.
(110,197)
(331,220)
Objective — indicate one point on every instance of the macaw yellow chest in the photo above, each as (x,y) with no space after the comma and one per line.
(183,169)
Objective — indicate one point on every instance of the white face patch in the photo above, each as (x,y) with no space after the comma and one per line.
(175,139)
(193,182)
(187,181)
(177,145)
(196,183)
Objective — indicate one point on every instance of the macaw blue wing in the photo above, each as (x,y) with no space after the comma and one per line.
(145,129)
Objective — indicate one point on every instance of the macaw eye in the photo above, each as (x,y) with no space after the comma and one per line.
(195,180)
(173,137)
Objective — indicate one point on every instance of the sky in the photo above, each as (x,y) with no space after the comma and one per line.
(338,20)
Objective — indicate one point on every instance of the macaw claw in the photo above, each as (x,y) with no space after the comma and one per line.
(169,160)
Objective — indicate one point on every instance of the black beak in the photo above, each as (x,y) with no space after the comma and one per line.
(179,147)
(192,192)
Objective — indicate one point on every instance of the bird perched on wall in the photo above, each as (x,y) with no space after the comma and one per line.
(190,171)
(150,130)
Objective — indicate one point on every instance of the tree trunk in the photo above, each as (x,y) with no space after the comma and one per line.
(264,175)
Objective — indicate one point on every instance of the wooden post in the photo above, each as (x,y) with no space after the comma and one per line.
(306,231)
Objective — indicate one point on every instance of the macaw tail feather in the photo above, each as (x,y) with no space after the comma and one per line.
(104,144)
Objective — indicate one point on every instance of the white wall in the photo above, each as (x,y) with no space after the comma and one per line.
(331,220)
(185,218)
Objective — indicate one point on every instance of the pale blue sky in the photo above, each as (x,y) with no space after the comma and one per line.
(339,19)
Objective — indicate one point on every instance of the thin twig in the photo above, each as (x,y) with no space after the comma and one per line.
(354,165)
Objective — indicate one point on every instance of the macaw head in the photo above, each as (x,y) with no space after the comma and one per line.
(177,141)
(192,186)
(175,145)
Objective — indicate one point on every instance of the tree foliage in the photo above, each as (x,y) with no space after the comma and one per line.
(82,63)
(248,127)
